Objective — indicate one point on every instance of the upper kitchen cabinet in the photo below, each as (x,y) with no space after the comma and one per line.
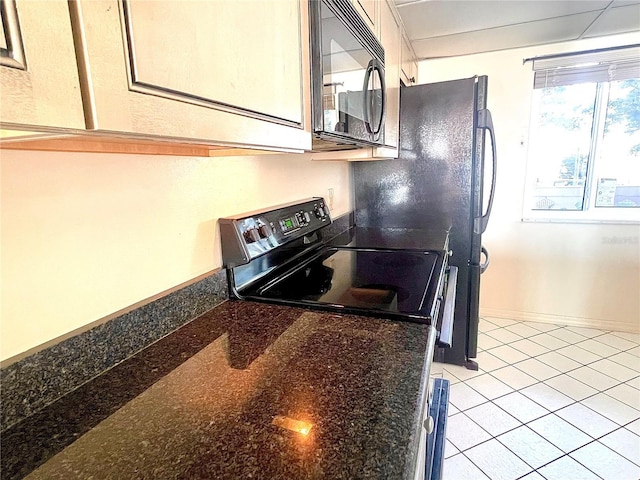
(390,36)
(39,82)
(227,72)
(409,64)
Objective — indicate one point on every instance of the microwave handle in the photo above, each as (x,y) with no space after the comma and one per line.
(374,66)
(383,87)
(366,100)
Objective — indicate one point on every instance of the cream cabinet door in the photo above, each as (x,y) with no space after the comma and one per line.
(39,86)
(408,63)
(390,33)
(230,72)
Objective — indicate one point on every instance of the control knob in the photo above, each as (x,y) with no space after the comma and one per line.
(251,235)
(263,231)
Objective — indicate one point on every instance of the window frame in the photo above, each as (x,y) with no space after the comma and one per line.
(590,213)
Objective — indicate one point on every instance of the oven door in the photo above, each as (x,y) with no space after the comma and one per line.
(438,411)
(433,424)
(434,428)
(447,309)
(348,89)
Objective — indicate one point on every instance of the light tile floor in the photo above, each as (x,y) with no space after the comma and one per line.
(548,402)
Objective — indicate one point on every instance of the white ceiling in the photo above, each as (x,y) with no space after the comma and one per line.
(443,28)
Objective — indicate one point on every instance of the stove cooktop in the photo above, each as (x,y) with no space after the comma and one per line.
(361,280)
(281,255)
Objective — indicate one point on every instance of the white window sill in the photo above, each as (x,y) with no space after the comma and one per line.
(597,216)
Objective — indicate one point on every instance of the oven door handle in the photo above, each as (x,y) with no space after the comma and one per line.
(445,339)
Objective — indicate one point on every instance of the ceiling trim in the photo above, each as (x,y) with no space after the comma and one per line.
(586,30)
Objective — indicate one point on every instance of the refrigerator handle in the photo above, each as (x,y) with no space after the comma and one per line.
(485,121)
(485,265)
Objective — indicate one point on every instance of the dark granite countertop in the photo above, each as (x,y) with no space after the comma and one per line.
(217,399)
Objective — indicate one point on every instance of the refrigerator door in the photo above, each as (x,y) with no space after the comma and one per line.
(483,171)
(483,123)
(433,185)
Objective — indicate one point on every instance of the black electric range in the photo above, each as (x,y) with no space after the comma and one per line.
(281,255)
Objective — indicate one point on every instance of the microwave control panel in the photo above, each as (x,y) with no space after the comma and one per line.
(248,236)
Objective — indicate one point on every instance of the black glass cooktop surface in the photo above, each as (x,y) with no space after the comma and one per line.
(365,280)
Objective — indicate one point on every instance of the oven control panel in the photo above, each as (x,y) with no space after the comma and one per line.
(247,236)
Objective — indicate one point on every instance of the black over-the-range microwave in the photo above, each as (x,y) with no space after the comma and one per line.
(347,77)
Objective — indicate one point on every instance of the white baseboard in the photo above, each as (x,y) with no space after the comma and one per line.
(609,325)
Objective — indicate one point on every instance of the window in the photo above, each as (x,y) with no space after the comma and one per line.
(584,145)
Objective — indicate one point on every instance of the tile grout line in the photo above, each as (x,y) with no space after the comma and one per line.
(564,454)
(538,382)
(568,371)
(550,412)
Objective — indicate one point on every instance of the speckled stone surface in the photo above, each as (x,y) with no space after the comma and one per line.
(202,403)
(338,225)
(34,382)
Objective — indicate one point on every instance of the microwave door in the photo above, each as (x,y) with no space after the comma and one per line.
(355,109)
(362,112)
(352,115)
(346,67)
(346,99)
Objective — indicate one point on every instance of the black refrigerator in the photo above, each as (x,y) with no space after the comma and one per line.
(441,180)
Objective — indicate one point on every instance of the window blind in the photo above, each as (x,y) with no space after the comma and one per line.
(603,65)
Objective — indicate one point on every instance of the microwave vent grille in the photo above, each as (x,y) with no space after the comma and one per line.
(347,10)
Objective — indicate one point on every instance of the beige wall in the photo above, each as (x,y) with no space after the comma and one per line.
(565,273)
(85,235)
